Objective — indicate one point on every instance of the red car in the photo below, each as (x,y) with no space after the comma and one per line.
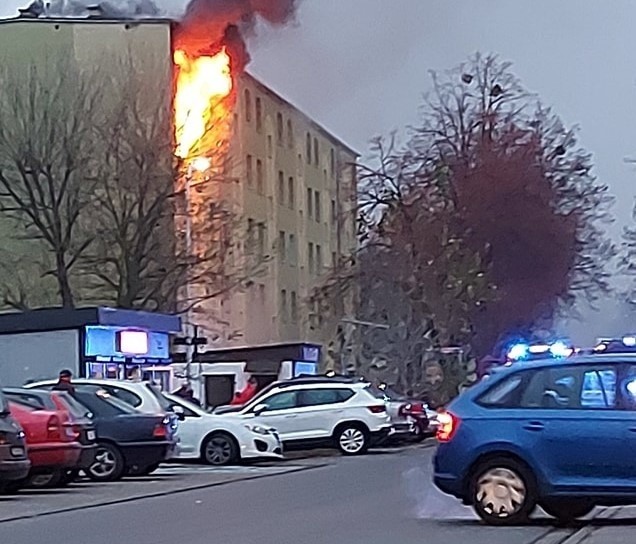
(52,444)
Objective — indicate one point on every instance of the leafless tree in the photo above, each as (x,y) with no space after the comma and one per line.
(46,161)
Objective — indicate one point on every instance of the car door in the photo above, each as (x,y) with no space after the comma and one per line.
(280,413)
(571,425)
(320,410)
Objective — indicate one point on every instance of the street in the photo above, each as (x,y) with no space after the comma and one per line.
(379,498)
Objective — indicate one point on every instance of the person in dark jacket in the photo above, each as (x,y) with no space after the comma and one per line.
(64,382)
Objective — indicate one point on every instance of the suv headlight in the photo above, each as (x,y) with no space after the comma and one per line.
(258,429)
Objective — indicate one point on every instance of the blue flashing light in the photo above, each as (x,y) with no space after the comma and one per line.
(518,352)
(629,341)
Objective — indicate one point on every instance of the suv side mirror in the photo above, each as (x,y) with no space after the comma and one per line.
(178,410)
(259,409)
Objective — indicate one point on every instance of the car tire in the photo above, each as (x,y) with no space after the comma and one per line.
(220,449)
(503,491)
(70,476)
(352,439)
(567,510)
(46,480)
(108,465)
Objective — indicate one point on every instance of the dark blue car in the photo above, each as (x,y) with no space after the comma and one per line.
(556,433)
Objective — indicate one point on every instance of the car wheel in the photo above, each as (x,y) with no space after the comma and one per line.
(108,465)
(352,439)
(46,480)
(503,491)
(567,510)
(220,449)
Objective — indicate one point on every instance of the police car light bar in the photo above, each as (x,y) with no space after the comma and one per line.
(558,349)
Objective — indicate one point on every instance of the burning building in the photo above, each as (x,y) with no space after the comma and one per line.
(287,184)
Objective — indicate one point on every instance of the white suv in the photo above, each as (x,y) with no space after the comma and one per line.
(317,414)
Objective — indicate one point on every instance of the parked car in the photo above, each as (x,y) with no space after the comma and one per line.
(556,432)
(314,413)
(129,442)
(14,463)
(52,444)
(79,421)
(409,417)
(222,440)
(143,396)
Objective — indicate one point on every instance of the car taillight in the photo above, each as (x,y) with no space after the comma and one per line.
(3,439)
(447,424)
(377,409)
(53,429)
(160,431)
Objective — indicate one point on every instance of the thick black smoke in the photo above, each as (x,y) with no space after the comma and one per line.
(209,24)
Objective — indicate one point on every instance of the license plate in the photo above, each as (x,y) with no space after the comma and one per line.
(17,452)
(91,435)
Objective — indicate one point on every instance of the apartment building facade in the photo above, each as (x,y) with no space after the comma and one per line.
(293,186)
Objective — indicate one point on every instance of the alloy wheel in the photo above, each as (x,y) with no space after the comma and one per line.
(352,440)
(218,450)
(501,492)
(105,463)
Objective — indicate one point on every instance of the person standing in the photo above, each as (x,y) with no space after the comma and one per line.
(64,382)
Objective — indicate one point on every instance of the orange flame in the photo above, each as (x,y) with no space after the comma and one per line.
(201,82)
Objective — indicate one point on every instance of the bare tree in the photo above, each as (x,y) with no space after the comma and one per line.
(46,157)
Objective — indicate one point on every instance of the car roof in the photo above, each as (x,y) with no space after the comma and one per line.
(326,384)
(96,381)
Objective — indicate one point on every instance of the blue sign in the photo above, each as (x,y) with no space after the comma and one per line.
(303,367)
(311,354)
(106,342)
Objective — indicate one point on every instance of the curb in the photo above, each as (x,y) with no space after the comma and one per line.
(158,494)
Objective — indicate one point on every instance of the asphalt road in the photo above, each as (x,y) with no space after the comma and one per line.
(377,499)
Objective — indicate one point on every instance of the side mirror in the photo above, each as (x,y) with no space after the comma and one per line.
(259,409)
(178,410)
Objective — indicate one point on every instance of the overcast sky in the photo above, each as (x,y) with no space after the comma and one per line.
(360,67)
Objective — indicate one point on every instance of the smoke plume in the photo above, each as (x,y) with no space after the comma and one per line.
(207,25)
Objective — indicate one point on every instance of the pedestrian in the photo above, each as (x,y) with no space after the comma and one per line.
(135,374)
(242,397)
(64,382)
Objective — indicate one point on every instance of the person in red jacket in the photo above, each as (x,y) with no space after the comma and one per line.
(242,397)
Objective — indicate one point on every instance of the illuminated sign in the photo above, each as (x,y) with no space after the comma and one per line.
(132,342)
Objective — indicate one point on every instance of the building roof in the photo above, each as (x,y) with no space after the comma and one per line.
(50,319)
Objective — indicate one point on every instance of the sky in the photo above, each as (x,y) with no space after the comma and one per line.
(361,67)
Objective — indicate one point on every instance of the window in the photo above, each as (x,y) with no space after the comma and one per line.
(281,401)
(318,259)
(250,234)
(282,250)
(334,259)
(316,152)
(123,394)
(247,105)
(552,388)
(290,134)
(291,198)
(310,257)
(310,212)
(505,394)
(261,294)
(308,149)
(281,188)
(599,389)
(332,162)
(262,239)
(283,306)
(279,129)
(293,250)
(317,207)
(270,147)
(318,397)
(294,307)
(260,181)
(259,114)
(249,170)
(334,213)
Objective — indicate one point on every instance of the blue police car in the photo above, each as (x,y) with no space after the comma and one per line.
(558,431)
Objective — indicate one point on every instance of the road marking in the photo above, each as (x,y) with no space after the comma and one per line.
(175,470)
(577,536)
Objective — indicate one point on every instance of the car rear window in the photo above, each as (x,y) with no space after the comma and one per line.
(318,397)
(4,405)
(77,409)
(163,401)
